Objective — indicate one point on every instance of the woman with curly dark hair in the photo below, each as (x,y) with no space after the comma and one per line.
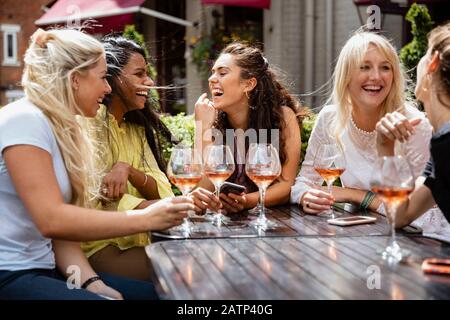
(247,94)
(128,131)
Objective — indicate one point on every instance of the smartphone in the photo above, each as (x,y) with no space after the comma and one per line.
(436,266)
(228,187)
(350,221)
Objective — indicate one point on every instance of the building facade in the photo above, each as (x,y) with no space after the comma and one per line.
(16,26)
(303,38)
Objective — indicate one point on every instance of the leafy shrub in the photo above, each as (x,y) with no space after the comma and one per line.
(307,126)
(421,25)
(183,128)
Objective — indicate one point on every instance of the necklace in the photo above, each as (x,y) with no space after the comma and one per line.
(364,141)
(361,130)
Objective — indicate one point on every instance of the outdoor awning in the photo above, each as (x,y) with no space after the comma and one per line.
(264,4)
(122,11)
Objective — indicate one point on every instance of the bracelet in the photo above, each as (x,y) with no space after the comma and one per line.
(145,181)
(368,199)
(89,281)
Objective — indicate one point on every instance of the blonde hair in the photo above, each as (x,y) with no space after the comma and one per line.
(350,59)
(49,65)
(439,40)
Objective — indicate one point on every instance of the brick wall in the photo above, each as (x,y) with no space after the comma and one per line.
(23,13)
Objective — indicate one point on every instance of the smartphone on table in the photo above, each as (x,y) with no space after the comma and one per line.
(350,221)
(228,187)
(436,266)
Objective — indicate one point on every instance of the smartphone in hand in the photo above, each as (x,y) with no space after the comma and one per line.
(228,187)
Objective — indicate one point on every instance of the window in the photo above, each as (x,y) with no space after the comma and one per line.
(13,95)
(10,44)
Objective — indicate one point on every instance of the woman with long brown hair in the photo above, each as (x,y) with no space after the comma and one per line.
(248,95)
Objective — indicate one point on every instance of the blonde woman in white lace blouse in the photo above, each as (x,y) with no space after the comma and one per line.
(368,83)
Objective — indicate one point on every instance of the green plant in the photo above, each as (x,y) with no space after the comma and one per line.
(206,48)
(307,126)
(131,33)
(421,24)
(183,129)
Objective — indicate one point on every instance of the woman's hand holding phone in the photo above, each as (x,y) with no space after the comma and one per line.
(233,203)
(233,197)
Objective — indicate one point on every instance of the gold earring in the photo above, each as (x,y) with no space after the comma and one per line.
(428,80)
(246,94)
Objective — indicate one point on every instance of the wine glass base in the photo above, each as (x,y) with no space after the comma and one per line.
(185,228)
(219,219)
(329,214)
(394,254)
(257,210)
(264,224)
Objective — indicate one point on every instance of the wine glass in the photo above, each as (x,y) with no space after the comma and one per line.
(185,171)
(329,163)
(393,180)
(263,167)
(219,166)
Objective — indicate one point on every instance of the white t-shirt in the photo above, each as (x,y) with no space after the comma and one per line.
(22,246)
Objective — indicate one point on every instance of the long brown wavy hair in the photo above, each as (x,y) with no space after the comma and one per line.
(266,99)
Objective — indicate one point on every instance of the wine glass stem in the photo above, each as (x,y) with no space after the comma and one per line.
(185,220)
(330,191)
(391,211)
(262,197)
(218,185)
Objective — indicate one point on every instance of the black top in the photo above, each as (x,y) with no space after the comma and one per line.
(239,176)
(437,170)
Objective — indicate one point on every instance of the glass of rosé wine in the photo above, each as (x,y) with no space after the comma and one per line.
(329,163)
(393,180)
(263,167)
(185,171)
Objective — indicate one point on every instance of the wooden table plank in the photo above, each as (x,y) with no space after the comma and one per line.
(219,285)
(253,271)
(277,269)
(294,268)
(166,269)
(292,220)
(388,279)
(412,271)
(228,265)
(359,269)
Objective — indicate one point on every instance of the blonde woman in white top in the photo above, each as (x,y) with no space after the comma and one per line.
(368,83)
(45,167)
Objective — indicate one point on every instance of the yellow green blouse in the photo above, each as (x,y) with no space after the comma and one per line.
(128,144)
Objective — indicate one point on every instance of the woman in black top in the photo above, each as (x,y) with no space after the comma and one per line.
(433,90)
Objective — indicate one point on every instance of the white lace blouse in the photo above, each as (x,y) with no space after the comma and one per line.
(360,152)
(360,156)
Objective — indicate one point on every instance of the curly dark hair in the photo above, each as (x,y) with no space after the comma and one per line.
(267,98)
(118,52)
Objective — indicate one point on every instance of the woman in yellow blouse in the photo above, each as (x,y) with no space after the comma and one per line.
(130,151)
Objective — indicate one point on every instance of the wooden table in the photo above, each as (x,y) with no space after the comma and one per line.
(293,222)
(296,268)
